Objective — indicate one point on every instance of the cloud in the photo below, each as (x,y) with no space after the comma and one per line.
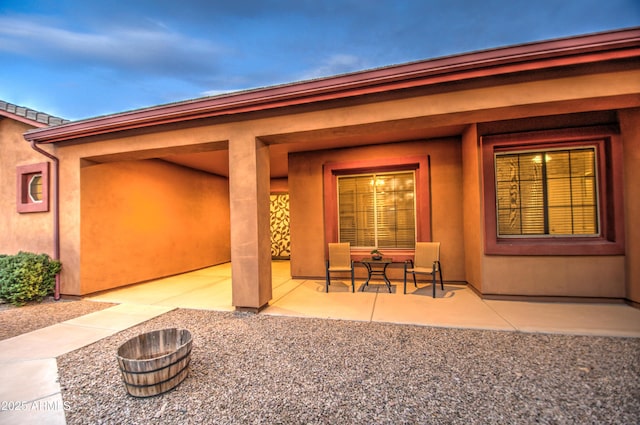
(153,50)
(334,65)
(217,92)
(105,56)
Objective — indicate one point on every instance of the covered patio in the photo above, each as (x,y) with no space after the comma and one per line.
(156,192)
(458,306)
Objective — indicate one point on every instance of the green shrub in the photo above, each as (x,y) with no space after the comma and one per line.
(27,277)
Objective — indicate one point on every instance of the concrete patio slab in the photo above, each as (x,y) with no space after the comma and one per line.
(456,307)
(309,300)
(221,270)
(284,288)
(200,289)
(577,319)
(157,290)
(215,296)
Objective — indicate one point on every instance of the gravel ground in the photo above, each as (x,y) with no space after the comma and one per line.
(19,320)
(258,369)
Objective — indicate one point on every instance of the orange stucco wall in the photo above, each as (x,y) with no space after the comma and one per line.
(148,219)
(307,200)
(630,124)
(31,232)
(279,186)
(578,276)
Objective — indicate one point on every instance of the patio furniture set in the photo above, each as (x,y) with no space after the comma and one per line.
(426,262)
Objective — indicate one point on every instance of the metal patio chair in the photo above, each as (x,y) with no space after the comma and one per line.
(427,262)
(339,262)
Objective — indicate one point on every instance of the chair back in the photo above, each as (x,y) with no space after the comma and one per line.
(340,254)
(426,254)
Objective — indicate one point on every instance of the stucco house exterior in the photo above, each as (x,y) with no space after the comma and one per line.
(26,223)
(522,161)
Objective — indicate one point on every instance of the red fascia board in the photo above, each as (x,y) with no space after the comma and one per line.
(528,57)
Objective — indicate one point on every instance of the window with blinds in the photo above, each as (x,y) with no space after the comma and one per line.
(547,192)
(377,210)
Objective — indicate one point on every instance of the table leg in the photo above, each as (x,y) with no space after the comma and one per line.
(386,279)
(369,273)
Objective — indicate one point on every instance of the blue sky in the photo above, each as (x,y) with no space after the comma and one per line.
(83,58)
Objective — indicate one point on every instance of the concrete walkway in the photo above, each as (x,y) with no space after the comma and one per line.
(29,390)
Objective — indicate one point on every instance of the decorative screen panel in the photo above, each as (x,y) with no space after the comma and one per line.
(279,222)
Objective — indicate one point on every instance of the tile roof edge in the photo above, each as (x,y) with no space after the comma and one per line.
(29,116)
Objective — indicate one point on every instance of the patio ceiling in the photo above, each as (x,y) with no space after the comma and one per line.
(217,162)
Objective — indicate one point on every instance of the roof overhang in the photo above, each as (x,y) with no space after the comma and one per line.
(566,52)
(22,119)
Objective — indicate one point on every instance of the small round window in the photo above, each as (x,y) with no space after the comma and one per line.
(35,188)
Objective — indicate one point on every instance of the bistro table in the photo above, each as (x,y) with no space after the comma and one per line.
(377,267)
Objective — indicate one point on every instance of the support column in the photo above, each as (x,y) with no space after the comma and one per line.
(472,214)
(250,234)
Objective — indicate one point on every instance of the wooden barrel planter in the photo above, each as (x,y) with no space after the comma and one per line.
(155,362)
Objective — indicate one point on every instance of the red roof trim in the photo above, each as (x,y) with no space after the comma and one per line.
(533,56)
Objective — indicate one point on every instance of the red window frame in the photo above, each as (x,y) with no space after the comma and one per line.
(420,164)
(24,204)
(610,240)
